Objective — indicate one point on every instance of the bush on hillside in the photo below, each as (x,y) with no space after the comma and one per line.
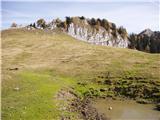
(122,31)
(105,24)
(62,25)
(68,20)
(113,26)
(133,41)
(30,25)
(155,43)
(41,23)
(14,24)
(34,25)
(142,42)
(93,21)
(98,22)
(82,18)
(58,21)
(114,33)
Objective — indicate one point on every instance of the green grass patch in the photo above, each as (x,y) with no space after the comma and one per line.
(35,97)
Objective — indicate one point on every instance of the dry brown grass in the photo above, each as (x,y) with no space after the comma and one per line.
(52,50)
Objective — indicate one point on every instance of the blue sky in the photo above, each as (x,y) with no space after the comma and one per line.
(133,15)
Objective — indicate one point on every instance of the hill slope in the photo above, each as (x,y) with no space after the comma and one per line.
(37,64)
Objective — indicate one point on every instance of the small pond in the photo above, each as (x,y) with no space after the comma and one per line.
(126,110)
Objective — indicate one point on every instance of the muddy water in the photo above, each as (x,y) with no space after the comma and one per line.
(126,110)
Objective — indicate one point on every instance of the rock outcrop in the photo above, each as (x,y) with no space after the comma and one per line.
(94,31)
(94,34)
(102,32)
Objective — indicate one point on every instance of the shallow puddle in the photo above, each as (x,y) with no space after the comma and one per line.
(126,110)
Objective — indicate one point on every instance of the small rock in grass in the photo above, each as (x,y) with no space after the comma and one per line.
(13,68)
(103,89)
(110,108)
(11,107)
(16,89)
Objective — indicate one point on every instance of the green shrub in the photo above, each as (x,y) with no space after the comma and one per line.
(114,33)
(82,18)
(68,20)
(93,21)
(58,21)
(14,24)
(113,26)
(133,41)
(105,24)
(122,31)
(41,23)
(34,25)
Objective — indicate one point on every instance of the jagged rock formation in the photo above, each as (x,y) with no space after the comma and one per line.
(102,32)
(83,30)
(95,31)
(147,41)
(147,32)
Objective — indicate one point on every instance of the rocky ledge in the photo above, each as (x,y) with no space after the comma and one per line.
(102,32)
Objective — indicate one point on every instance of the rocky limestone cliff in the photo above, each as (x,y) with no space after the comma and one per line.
(94,31)
(102,32)
(99,36)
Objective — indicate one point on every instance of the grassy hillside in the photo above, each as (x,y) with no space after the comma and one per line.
(49,62)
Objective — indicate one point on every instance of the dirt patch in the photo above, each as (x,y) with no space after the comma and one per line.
(87,112)
(65,94)
(64,97)
(15,68)
(74,104)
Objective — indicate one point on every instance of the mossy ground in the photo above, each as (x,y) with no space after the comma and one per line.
(35,98)
(48,61)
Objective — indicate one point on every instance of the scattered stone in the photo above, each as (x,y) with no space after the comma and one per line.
(82,83)
(110,108)
(108,82)
(16,89)
(12,107)
(103,89)
(13,68)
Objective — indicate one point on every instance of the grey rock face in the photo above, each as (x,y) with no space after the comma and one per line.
(52,25)
(147,32)
(100,37)
(88,31)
